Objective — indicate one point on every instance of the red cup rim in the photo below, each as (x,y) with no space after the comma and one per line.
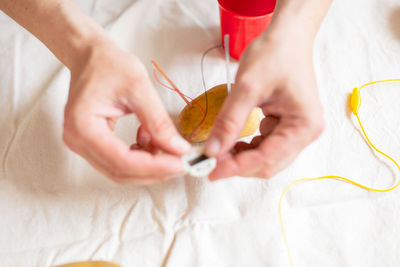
(243,16)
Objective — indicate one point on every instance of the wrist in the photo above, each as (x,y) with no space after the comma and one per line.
(297,21)
(59,24)
(287,38)
(75,40)
(81,46)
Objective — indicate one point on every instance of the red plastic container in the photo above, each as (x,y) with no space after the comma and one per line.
(244,20)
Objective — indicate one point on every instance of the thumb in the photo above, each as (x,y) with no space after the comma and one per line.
(155,119)
(230,120)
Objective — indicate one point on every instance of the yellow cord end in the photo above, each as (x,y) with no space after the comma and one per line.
(355,101)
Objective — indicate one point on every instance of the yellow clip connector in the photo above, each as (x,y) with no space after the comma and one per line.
(355,101)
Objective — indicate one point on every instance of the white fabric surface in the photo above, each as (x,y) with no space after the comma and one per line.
(56,209)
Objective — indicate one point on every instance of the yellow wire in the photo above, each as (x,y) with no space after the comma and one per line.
(336,177)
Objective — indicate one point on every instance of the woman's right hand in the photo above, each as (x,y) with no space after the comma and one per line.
(106,84)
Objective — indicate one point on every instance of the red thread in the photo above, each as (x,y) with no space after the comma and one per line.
(182,95)
(170,82)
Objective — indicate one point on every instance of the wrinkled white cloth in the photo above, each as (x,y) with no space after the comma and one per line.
(55,209)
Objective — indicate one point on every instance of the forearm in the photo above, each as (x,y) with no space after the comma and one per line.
(299,18)
(59,24)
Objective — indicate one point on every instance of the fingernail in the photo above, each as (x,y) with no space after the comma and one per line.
(213,146)
(180,144)
(144,138)
(214,180)
(213,177)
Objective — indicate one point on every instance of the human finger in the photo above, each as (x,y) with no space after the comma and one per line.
(155,119)
(274,153)
(231,119)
